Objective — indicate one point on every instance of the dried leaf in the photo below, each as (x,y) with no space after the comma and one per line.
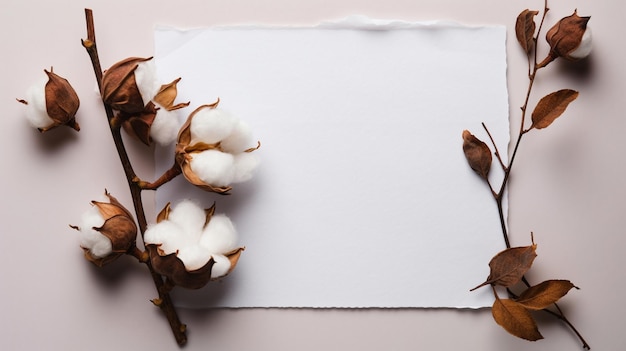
(477,154)
(551,106)
(525,29)
(544,294)
(509,266)
(515,319)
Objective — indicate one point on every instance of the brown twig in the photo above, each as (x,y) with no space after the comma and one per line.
(165,304)
(533,68)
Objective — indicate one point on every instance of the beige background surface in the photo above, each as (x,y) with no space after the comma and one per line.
(567,189)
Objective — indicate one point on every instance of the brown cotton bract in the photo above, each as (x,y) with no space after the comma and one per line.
(119,87)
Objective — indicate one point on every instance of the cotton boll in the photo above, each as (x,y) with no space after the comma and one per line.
(219,236)
(146,80)
(165,126)
(221,266)
(193,257)
(211,125)
(239,140)
(245,165)
(36,112)
(169,235)
(213,167)
(190,217)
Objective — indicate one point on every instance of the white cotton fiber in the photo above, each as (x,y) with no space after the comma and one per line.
(36,111)
(191,218)
(184,232)
(245,165)
(219,235)
(146,80)
(221,266)
(213,167)
(239,140)
(193,257)
(584,49)
(98,244)
(165,126)
(168,235)
(210,125)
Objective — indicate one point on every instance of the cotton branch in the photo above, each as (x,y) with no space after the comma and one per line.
(165,303)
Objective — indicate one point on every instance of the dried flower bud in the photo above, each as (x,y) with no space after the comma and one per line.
(107,231)
(214,149)
(570,38)
(477,154)
(192,246)
(51,103)
(130,84)
(159,120)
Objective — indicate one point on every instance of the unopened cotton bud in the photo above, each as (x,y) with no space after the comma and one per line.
(129,84)
(584,49)
(107,231)
(570,38)
(51,103)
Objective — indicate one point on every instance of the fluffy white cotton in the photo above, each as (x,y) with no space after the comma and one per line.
(165,126)
(191,218)
(219,235)
(221,266)
(245,165)
(186,233)
(146,80)
(211,125)
(584,49)
(98,244)
(36,112)
(239,140)
(214,167)
(166,234)
(194,257)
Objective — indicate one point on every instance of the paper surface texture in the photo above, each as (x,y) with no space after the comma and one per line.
(363,197)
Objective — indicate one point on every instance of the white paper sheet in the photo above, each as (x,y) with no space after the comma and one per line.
(363,197)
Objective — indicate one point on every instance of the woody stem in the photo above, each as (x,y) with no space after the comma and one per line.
(166,304)
(168,175)
(499,195)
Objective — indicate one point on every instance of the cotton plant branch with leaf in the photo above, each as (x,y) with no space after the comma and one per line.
(187,245)
(569,39)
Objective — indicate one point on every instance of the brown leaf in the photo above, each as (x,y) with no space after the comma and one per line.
(525,29)
(551,106)
(509,266)
(477,154)
(515,319)
(544,294)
